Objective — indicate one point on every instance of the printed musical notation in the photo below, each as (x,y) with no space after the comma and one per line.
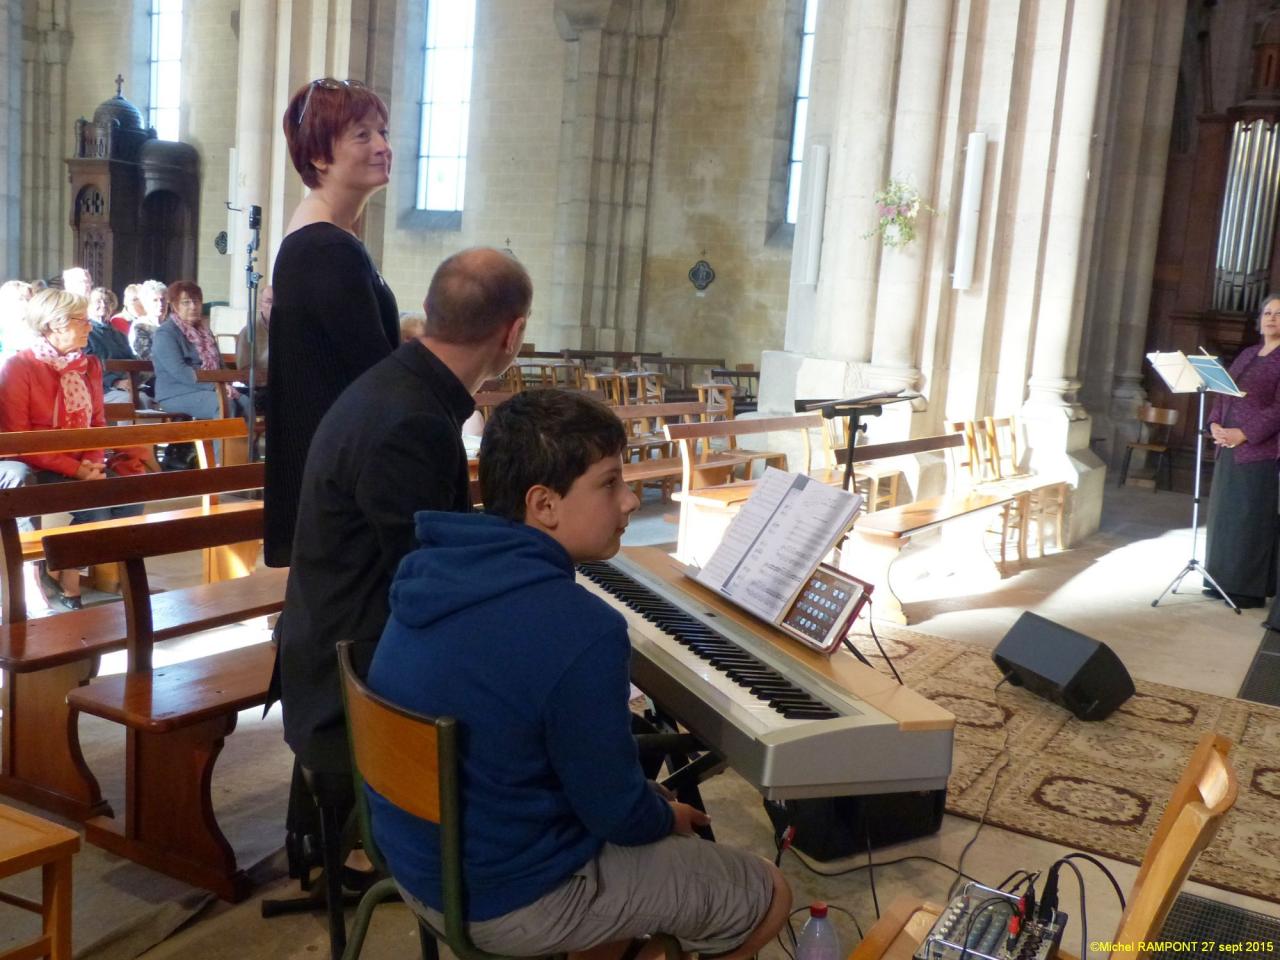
(777,540)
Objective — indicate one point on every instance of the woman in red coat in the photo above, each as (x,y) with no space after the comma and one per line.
(54,384)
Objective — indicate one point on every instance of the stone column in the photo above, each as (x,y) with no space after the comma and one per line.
(257,119)
(1127,101)
(900,292)
(1058,429)
(11,145)
(1055,356)
(1127,394)
(46,230)
(841,328)
(830,332)
(606,154)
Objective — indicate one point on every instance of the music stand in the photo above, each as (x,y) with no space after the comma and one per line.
(853,410)
(1200,375)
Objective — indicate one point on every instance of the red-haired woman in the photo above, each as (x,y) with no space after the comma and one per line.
(334,317)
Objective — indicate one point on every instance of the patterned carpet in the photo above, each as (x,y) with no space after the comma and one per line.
(1101,786)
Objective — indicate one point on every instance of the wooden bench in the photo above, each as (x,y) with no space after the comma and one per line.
(697,456)
(176,718)
(46,658)
(650,455)
(17,548)
(876,539)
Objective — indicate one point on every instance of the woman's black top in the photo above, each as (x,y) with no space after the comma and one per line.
(334,317)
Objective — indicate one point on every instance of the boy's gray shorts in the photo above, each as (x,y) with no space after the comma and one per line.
(709,896)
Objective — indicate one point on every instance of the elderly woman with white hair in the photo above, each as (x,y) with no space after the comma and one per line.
(55,384)
(155,306)
(14,333)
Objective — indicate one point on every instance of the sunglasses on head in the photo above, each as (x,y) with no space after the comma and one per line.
(328,83)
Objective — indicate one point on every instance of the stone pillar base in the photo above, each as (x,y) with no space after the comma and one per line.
(1058,433)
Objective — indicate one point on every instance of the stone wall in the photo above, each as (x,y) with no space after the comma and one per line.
(513,151)
(724,125)
(209,60)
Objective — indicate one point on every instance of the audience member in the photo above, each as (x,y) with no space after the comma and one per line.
(183,345)
(260,346)
(108,343)
(54,384)
(388,447)
(566,847)
(77,280)
(334,315)
(412,326)
(15,334)
(130,308)
(154,307)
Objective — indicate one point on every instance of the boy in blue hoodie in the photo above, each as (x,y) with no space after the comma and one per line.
(566,846)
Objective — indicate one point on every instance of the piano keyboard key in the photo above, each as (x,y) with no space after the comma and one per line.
(761,681)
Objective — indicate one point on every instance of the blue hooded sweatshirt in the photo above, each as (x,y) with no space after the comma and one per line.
(488,626)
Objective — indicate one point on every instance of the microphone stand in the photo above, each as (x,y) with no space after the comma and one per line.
(252,277)
(1193,564)
(853,410)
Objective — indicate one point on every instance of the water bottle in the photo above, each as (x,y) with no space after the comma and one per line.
(818,940)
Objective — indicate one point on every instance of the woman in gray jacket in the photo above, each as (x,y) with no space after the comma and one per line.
(182,345)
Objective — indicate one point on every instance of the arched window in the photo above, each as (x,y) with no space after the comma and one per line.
(166,67)
(445,105)
(801,108)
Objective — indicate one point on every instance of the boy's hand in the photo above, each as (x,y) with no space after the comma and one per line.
(687,818)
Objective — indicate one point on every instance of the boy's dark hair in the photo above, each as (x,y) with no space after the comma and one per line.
(547,437)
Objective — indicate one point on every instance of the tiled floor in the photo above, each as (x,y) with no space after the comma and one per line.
(1103,588)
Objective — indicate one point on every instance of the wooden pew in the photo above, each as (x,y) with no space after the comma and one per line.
(876,539)
(695,453)
(44,659)
(25,442)
(223,563)
(176,718)
(645,423)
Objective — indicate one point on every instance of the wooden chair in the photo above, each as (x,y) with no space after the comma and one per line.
(27,842)
(1155,424)
(1043,503)
(611,384)
(878,484)
(412,761)
(975,468)
(1191,819)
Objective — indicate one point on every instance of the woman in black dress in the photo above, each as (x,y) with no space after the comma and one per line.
(334,316)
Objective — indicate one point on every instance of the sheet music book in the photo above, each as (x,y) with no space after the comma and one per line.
(1187,374)
(777,540)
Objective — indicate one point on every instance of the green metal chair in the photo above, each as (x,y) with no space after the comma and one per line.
(412,760)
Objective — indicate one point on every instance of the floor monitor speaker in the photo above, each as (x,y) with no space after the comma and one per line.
(1064,667)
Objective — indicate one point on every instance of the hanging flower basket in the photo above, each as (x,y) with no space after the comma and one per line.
(899,206)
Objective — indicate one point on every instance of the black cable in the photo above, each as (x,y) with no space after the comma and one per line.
(1098,863)
(848,913)
(784,947)
(872,626)
(871,867)
(1084,917)
(1003,883)
(848,645)
(982,821)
